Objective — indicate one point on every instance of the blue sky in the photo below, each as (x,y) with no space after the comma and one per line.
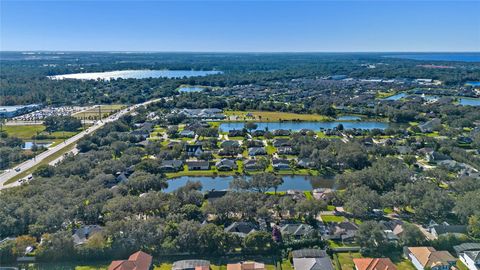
(240,26)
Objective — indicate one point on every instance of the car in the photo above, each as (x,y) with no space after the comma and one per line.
(17,169)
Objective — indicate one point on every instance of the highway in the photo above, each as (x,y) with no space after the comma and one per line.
(8,174)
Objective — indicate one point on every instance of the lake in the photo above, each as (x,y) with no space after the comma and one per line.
(297,182)
(296,126)
(135,74)
(473,83)
(469,101)
(396,97)
(189,89)
(462,57)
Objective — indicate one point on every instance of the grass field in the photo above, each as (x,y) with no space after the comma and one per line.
(346,260)
(106,110)
(24,132)
(261,116)
(332,218)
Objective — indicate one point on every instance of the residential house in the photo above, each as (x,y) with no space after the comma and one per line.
(256,151)
(251,165)
(280,164)
(229,144)
(82,234)
(311,259)
(236,133)
(241,229)
(193,150)
(471,259)
(281,132)
(191,265)
(187,133)
(344,231)
(226,165)
(466,247)
(249,265)
(258,133)
(171,165)
(430,126)
(442,229)
(137,261)
(324,194)
(297,230)
(281,142)
(141,133)
(373,264)
(305,163)
(429,258)
(285,150)
(198,165)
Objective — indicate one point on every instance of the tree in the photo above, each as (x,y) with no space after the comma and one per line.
(259,242)
(309,209)
(474,226)
(56,247)
(251,126)
(21,244)
(370,237)
(411,235)
(141,182)
(44,170)
(361,200)
(65,123)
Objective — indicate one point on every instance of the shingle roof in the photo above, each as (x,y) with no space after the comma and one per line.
(466,247)
(428,256)
(374,264)
(189,264)
(137,261)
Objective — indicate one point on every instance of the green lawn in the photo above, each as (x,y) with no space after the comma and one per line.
(406,265)
(277,116)
(346,260)
(461,266)
(332,218)
(24,131)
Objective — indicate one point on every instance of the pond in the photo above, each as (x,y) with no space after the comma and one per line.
(469,101)
(189,89)
(349,118)
(29,145)
(296,182)
(396,97)
(473,83)
(296,126)
(135,74)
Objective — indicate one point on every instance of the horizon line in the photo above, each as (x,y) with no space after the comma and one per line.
(266,52)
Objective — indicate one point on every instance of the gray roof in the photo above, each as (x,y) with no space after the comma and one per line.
(309,253)
(189,264)
(443,229)
(474,255)
(297,229)
(466,247)
(312,263)
(241,228)
(82,234)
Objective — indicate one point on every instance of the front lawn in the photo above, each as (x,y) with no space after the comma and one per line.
(332,218)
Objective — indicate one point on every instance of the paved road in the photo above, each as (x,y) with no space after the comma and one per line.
(5,176)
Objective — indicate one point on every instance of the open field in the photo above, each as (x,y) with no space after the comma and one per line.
(24,132)
(93,112)
(262,116)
